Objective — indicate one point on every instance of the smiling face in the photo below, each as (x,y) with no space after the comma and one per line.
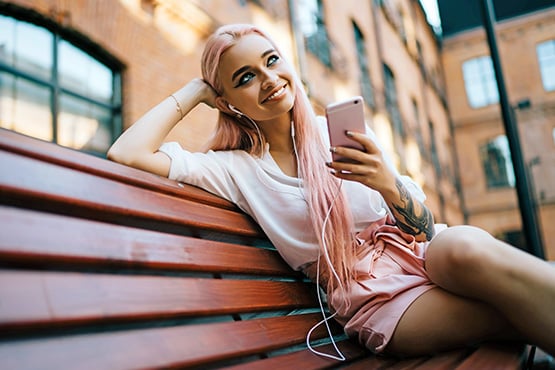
(256,80)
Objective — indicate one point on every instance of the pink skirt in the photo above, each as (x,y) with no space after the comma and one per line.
(390,275)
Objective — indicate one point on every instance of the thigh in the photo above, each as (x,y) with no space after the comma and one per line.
(439,320)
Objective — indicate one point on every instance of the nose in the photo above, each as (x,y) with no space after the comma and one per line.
(270,79)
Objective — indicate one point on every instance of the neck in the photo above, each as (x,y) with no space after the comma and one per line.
(278,134)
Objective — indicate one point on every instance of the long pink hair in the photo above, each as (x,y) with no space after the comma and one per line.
(320,187)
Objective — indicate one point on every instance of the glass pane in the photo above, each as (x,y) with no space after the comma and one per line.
(81,73)
(26,47)
(25,107)
(307,16)
(497,163)
(84,126)
(546,58)
(479,81)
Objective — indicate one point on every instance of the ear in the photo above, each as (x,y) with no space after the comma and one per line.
(222,105)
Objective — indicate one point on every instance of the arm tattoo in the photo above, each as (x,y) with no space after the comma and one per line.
(413,223)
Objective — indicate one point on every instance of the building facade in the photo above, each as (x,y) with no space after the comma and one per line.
(79,72)
(526,44)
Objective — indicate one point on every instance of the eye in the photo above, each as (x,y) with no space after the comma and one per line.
(273,59)
(245,78)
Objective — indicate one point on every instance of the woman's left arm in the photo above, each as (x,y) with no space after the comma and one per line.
(370,169)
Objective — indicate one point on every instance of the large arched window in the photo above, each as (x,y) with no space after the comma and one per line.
(53,89)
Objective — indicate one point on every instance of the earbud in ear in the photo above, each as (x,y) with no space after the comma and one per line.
(235,110)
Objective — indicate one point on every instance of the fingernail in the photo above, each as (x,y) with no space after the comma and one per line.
(333,149)
(349,133)
(328,164)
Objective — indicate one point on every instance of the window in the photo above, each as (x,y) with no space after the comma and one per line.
(418,129)
(311,20)
(391,103)
(480,82)
(55,91)
(365,83)
(496,160)
(546,59)
(433,150)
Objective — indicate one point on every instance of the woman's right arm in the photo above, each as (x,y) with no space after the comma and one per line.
(138,145)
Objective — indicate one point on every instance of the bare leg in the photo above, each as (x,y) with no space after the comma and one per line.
(439,320)
(469,262)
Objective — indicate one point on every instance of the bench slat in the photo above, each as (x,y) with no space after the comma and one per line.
(305,359)
(33,299)
(64,241)
(191,345)
(446,360)
(39,183)
(495,357)
(46,151)
(391,363)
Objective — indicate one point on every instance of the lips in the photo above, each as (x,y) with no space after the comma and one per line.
(275,94)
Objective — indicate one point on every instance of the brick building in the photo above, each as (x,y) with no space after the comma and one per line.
(526,43)
(94,67)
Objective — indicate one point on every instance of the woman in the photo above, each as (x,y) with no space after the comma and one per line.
(361,229)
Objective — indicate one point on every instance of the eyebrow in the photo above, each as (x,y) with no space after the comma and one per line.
(245,68)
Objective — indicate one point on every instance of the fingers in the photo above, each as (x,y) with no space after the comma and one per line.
(353,154)
(365,141)
(353,170)
(367,167)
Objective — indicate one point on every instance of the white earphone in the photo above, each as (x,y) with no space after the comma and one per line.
(235,110)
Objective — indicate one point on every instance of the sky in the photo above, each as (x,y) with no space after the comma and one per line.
(432,13)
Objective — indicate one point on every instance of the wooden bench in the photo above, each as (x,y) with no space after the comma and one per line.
(106,267)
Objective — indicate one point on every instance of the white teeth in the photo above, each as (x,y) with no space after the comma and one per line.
(274,95)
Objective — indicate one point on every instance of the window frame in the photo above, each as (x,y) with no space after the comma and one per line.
(499,147)
(318,43)
(547,72)
(479,77)
(392,102)
(54,84)
(366,88)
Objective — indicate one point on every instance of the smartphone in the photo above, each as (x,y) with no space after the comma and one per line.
(346,115)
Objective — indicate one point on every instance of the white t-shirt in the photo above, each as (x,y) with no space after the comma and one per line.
(273,199)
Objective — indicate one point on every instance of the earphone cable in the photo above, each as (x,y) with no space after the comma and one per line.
(341,357)
(325,320)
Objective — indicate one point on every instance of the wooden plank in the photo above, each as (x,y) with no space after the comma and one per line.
(34,182)
(61,241)
(371,363)
(307,360)
(38,299)
(49,152)
(445,360)
(172,347)
(495,356)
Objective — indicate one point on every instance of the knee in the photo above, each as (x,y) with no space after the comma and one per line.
(461,249)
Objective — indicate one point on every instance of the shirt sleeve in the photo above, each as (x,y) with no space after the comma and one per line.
(209,171)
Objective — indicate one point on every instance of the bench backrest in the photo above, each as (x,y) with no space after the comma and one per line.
(106,267)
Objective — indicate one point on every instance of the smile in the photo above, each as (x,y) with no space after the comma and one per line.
(275,95)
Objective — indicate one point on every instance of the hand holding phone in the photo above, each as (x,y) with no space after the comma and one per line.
(343,116)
